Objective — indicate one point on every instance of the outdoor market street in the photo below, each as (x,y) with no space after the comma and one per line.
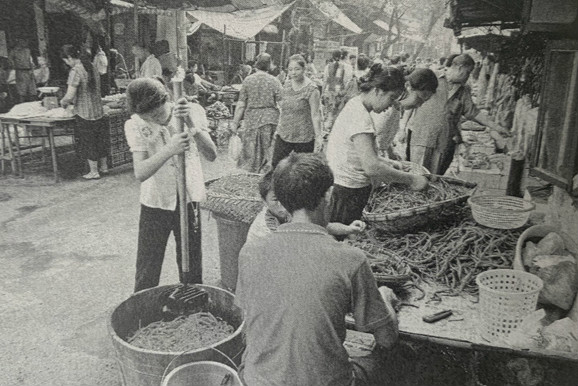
(68,254)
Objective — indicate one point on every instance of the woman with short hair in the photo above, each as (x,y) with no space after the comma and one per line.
(84,94)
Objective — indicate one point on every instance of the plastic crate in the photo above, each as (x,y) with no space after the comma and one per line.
(116,123)
(119,159)
(118,147)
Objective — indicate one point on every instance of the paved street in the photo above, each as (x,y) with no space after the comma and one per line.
(67,253)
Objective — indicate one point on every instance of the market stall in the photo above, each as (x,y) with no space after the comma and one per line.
(437,269)
(39,120)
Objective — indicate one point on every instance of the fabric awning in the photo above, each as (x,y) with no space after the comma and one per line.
(331,11)
(242,24)
(85,10)
(120,6)
(385,26)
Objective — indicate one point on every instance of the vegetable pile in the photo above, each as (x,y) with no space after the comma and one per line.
(218,110)
(390,198)
(452,257)
(183,333)
(387,267)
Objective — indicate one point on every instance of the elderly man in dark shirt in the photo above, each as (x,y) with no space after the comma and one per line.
(458,104)
(297,284)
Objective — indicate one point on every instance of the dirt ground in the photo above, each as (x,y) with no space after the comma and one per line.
(67,253)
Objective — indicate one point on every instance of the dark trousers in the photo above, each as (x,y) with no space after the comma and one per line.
(408,146)
(91,135)
(447,157)
(282,149)
(155,227)
(346,204)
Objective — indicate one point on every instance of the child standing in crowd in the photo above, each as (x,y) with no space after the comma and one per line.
(154,143)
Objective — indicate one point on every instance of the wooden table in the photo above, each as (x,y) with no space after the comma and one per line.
(49,128)
(460,333)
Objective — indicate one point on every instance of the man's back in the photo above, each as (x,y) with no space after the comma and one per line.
(296,286)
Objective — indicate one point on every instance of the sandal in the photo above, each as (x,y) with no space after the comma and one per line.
(91,176)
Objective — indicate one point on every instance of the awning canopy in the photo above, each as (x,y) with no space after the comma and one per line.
(242,24)
(487,42)
(167,7)
(476,13)
(84,9)
(385,26)
(330,10)
(177,4)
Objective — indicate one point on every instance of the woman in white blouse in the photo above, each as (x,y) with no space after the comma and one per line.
(154,143)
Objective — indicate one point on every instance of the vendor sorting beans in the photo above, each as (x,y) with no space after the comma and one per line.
(296,298)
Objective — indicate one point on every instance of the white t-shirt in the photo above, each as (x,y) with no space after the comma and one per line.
(198,79)
(160,190)
(151,68)
(347,73)
(343,159)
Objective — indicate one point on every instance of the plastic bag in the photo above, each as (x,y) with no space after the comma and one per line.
(528,335)
(561,335)
(235,147)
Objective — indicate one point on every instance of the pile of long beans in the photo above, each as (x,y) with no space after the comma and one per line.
(183,333)
(382,261)
(453,256)
(393,197)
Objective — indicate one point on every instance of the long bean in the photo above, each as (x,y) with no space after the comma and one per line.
(452,257)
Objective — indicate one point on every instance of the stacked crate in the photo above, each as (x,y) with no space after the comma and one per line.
(118,150)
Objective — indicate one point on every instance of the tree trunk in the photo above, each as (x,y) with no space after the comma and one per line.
(433,20)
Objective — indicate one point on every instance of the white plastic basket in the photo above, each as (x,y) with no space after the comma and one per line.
(500,212)
(507,296)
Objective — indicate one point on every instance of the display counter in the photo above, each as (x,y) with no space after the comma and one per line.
(14,128)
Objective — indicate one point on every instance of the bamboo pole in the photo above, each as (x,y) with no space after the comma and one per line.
(283,49)
(224,49)
(177,83)
(181,38)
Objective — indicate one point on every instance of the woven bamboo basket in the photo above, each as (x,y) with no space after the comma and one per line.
(233,207)
(501,212)
(388,268)
(424,216)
